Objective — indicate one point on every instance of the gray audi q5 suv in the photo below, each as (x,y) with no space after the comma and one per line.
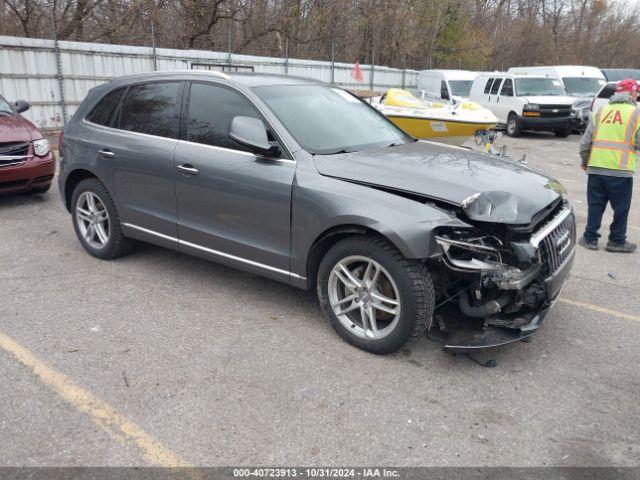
(302,182)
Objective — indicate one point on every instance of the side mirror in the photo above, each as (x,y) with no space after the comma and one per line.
(21,106)
(251,133)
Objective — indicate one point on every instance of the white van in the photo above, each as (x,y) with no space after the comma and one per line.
(577,81)
(524,102)
(445,84)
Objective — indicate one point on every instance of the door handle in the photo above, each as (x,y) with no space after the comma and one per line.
(187,170)
(105,152)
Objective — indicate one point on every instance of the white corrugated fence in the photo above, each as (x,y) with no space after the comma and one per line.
(28,71)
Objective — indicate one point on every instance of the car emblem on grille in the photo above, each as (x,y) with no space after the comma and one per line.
(555,110)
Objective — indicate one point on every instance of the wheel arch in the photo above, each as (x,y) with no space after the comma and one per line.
(330,237)
(71,182)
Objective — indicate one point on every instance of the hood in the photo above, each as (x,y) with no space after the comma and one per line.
(549,99)
(449,174)
(14,128)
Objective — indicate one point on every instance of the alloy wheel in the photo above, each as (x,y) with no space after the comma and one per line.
(364,297)
(92,219)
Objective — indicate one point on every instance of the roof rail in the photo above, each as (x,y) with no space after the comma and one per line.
(186,70)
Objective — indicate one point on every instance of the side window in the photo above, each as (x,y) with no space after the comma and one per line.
(495,86)
(507,88)
(608,91)
(211,110)
(444,91)
(151,108)
(487,87)
(102,113)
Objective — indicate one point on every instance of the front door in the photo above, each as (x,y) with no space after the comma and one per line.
(233,206)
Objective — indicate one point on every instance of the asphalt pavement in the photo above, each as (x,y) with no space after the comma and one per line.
(163,359)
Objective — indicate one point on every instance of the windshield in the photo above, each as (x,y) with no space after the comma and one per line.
(460,88)
(539,86)
(582,85)
(327,120)
(4,106)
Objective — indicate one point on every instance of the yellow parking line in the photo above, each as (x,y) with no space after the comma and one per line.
(100,412)
(597,308)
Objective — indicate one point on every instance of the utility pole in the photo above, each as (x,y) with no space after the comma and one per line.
(56,48)
(286,55)
(229,46)
(154,45)
(373,65)
(333,61)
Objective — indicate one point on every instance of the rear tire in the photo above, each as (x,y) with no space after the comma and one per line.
(96,221)
(382,312)
(513,127)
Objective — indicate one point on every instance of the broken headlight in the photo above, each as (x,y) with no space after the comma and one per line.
(479,253)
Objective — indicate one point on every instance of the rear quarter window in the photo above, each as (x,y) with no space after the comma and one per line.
(102,113)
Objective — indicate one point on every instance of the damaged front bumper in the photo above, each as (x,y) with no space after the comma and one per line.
(520,298)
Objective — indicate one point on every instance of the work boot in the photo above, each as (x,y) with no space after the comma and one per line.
(588,245)
(626,247)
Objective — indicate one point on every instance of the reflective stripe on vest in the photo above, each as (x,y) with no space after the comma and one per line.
(614,138)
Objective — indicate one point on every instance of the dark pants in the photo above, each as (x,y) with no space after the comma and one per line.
(615,190)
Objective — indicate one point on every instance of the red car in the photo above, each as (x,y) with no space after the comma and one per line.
(26,161)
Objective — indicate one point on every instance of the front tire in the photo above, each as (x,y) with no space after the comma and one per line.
(513,126)
(374,298)
(563,132)
(96,221)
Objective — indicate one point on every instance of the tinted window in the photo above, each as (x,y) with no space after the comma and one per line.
(211,110)
(151,108)
(507,88)
(495,86)
(444,91)
(608,91)
(487,87)
(103,111)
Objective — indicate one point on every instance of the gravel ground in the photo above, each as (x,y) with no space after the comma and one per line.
(225,368)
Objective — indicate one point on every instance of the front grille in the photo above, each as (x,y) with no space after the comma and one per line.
(555,110)
(557,245)
(11,153)
(14,148)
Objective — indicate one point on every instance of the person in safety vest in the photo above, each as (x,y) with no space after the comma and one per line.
(608,149)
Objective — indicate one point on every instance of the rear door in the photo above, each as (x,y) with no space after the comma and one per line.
(136,153)
(493,97)
(233,206)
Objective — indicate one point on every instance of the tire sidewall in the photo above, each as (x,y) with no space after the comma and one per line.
(515,132)
(404,329)
(95,186)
